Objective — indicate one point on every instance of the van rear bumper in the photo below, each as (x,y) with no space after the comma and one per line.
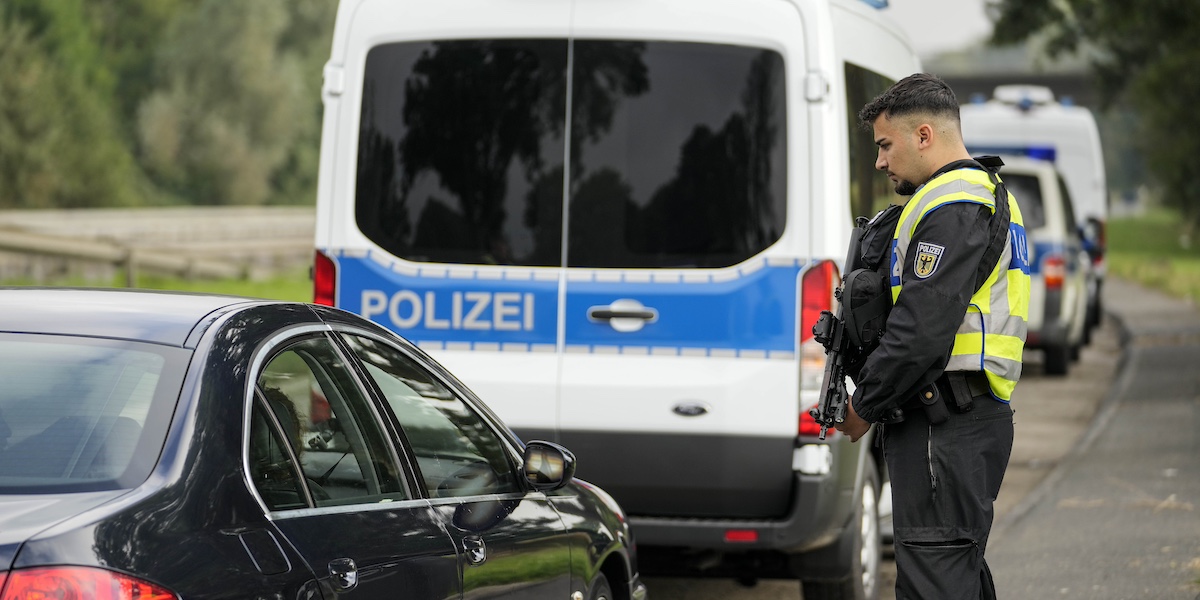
(818,515)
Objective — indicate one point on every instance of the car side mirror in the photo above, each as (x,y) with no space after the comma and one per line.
(1093,236)
(548,466)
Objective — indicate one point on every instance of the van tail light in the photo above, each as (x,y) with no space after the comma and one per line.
(816,295)
(80,582)
(808,425)
(1054,271)
(324,279)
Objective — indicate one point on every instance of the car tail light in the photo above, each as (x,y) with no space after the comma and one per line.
(1054,271)
(80,582)
(324,279)
(816,295)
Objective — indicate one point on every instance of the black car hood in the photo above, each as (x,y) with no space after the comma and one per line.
(24,516)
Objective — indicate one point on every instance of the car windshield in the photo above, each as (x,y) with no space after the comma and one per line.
(79,414)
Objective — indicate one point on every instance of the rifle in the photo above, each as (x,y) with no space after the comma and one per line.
(841,341)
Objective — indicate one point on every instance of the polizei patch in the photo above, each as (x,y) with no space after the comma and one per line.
(928,257)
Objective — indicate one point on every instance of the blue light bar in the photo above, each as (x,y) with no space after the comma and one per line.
(877,3)
(1046,153)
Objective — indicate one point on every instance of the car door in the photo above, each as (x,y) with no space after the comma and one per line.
(324,466)
(512,542)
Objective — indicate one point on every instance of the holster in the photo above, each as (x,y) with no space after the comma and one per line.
(934,404)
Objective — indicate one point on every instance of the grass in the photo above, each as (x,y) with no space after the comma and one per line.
(1154,250)
(294,286)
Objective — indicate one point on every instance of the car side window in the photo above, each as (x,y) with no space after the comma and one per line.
(457,453)
(272,463)
(324,419)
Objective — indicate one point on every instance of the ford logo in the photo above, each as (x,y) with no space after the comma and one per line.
(690,409)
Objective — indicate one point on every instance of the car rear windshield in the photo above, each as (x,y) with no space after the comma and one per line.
(80,414)
(676,154)
(1028,191)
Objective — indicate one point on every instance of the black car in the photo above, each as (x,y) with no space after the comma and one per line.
(159,445)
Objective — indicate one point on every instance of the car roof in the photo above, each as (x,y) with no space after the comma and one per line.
(151,316)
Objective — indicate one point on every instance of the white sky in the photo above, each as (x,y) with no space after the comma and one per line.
(939,25)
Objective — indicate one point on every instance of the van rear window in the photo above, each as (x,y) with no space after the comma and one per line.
(676,154)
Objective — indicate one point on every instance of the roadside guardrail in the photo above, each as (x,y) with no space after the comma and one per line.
(189,242)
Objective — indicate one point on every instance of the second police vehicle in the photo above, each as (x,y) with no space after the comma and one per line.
(617,221)
(1022,120)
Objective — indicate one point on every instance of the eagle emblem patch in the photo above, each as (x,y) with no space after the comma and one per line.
(928,257)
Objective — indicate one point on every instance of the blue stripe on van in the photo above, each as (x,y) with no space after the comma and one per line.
(754,314)
(749,311)
(428,304)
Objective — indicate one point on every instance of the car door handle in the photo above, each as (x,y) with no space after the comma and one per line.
(344,574)
(475,549)
(624,315)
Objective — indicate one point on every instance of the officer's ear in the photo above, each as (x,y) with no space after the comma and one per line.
(925,133)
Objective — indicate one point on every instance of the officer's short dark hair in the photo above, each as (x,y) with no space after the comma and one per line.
(919,93)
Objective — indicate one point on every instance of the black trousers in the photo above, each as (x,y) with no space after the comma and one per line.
(945,479)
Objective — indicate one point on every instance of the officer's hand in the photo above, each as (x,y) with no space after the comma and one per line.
(854,426)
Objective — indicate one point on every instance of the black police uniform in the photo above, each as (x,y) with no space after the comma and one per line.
(945,476)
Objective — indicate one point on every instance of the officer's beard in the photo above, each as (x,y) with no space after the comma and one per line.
(906,188)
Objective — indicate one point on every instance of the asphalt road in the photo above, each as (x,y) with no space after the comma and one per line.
(1100,496)
(1118,518)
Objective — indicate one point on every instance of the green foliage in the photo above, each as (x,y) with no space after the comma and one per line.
(231,104)
(124,102)
(59,144)
(1157,250)
(1145,50)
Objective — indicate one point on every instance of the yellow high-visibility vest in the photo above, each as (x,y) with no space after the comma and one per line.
(992,335)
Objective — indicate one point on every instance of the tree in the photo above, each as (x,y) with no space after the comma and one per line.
(236,105)
(1144,51)
(59,145)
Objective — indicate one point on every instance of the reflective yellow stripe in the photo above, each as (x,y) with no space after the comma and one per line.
(1001,387)
(992,335)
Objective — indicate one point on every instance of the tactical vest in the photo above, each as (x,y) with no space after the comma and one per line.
(992,335)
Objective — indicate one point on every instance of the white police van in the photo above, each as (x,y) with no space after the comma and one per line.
(1027,120)
(617,221)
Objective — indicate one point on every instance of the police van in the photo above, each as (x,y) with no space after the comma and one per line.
(1027,120)
(617,221)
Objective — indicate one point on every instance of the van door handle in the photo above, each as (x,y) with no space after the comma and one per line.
(344,574)
(624,315)
(601,313)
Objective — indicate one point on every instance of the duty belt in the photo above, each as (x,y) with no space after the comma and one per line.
(953,391)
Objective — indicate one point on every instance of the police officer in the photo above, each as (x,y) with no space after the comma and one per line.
(950,355)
